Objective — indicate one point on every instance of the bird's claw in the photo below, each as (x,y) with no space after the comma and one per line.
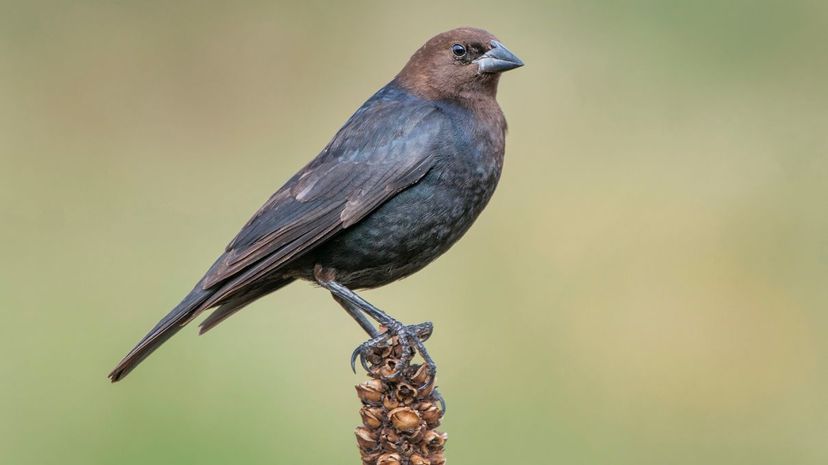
(441,400)
(366,349)
(410,338)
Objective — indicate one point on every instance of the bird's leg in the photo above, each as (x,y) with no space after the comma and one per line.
(411,337)
(360,318)
(357,315)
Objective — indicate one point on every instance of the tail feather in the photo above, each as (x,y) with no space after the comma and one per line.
(162,331)
(195,302)
(239,301)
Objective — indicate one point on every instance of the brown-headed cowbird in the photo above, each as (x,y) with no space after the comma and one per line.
(402,180)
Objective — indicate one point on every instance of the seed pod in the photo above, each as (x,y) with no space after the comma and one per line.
(371,416)
(370,391)
(435,440)
(385,351)
(421,375)
(424,405)
(374,361)
(406,449)
(389,459)
(426,391)
(431,414)
(389,368)
(417,459)
(405,393)
(366,438)
(438,459)
(389,436)
(390,402)
(416,436)
(404,419)
(369,458)
(396,348)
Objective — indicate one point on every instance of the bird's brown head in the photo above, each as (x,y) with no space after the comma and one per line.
(461,64)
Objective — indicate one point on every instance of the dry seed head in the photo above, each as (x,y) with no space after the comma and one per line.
(427,390)
(435,439)
(389,436)
(390,402)
(396,348)
(405,393)
(422,375)
(385,352)
(430,413)
(371,416)
(370,391)
(370,458)
(438,459)
(406,448)
(405,419)
(389,368)
(366,438)
(398,418)
(417,459)
(416,436)
(389,459)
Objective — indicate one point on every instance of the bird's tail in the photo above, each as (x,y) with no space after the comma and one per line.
(162,331)
(241,299)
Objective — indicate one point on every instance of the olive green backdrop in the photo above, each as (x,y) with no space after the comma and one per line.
(648,285)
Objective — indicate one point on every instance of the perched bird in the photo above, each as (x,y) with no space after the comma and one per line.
(400,182)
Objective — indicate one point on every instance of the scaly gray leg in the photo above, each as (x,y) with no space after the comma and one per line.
(411,337)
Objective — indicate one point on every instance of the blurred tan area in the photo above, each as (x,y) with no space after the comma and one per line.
(648,285)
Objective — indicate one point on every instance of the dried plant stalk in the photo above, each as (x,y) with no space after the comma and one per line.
(399,413)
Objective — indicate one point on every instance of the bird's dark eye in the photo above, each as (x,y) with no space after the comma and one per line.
(458,50)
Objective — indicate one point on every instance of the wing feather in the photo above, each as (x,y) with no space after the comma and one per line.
(388,145)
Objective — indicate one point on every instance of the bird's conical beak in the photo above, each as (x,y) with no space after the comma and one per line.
(497,60)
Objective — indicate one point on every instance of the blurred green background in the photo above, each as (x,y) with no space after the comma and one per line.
(648,285)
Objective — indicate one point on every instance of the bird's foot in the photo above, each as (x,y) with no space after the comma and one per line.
(410,341)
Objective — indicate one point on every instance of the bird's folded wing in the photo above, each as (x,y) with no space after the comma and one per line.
(382,149)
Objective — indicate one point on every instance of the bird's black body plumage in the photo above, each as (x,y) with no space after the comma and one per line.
(417,224)
(402,180)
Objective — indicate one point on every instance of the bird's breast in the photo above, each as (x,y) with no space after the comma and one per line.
(414,227)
